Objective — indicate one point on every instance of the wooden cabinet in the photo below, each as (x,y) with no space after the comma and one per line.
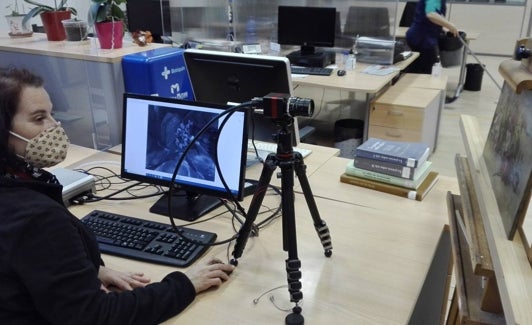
(406,114)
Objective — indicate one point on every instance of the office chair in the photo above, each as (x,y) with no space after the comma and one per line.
(408,14)
(367,21)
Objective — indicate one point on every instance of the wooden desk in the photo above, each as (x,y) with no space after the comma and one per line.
(356,82)
(382,248)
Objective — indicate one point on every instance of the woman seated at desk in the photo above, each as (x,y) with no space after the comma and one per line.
(51,271)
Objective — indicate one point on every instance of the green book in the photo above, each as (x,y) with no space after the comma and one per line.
(421,174)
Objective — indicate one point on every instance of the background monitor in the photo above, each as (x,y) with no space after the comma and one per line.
(307,27)
(152,15)
(156,131)
(223,77)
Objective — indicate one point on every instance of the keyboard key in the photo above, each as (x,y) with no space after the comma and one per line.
(148,241)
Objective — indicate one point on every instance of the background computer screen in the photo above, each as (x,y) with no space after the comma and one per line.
(152,15)
(157,130)
(308,27)
(223,77)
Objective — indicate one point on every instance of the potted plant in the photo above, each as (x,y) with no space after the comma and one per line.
(51,17)
(14,21)
(108,20)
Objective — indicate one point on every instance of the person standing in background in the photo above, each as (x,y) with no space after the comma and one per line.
(422,35)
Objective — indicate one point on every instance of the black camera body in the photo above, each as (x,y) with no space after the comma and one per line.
(281,106)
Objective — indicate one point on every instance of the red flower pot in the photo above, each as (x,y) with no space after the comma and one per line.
(110,34)
(53,27)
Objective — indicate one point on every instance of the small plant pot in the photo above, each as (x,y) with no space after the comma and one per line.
(53,27)
(110,34)
(16,28)
(75,30)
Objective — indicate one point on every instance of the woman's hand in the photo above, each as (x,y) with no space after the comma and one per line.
(210,274)
(121,281)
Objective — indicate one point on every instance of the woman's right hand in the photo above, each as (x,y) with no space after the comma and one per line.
(210,274)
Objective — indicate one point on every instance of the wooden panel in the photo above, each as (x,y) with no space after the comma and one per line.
(397,117)
(395,134)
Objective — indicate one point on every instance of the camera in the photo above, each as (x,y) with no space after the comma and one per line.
(282,106)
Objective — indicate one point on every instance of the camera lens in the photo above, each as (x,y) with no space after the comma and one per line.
(300,106)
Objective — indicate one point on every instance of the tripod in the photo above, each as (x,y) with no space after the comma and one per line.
(288,161)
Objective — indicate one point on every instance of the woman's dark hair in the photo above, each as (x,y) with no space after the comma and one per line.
(12,82)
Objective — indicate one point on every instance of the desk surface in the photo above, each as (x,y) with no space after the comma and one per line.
(382,247)
(355,81)
(86,50)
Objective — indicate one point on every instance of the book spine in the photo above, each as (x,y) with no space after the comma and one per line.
(381,187)
(382,157)
(385,167)
(380,177)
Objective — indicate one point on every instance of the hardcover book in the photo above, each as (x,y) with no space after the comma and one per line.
(417,194)
(411,154)
(388,168)
(422,172)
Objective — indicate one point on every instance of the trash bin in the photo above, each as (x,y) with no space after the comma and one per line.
(348,135)
(473,80)
(451,48)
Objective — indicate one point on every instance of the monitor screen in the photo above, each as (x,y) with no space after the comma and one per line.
(149,15)
(308,27)
(225,78)
(157,131)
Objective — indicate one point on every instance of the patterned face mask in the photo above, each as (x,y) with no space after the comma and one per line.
(47,148)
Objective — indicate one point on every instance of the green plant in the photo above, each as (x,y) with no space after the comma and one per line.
(105,11)
(40,8)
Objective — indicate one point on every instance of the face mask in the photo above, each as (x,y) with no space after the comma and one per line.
(47,148)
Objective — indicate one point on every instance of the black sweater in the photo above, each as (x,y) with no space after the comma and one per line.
(49,267)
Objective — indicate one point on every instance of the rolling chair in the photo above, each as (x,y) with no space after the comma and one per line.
(366,21)
(408,14)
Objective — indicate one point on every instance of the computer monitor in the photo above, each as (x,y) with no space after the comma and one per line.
(152,15)
(156,132)
(307,27)
(225,78)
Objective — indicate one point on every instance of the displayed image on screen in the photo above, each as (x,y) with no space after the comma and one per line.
(156,133)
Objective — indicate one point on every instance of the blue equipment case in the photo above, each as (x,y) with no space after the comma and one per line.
(159,72)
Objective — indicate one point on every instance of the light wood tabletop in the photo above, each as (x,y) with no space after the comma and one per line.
(382,248)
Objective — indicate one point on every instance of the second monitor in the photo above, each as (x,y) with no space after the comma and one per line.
(225,78)
(309,28)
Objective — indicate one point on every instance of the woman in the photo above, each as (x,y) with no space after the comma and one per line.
(51,271)
(423,34)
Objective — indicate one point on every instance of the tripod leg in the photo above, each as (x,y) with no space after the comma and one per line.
(256,202)
(321,227)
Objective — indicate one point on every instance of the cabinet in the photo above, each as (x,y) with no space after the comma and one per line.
(407,114)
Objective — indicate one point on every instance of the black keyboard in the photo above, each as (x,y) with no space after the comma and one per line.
(147,240)
(311,70)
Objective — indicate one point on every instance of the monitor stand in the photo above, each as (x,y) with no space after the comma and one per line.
(186,206)
(319,59)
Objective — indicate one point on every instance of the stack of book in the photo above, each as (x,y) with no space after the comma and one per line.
(400,168)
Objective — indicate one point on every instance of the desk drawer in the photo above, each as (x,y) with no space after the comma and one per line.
(397,117)
(395,134)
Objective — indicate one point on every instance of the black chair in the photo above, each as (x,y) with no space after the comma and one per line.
(408,14)
(367,21)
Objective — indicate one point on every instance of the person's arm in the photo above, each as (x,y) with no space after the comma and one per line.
(438,19)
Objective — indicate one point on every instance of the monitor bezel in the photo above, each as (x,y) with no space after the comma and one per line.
(219,192)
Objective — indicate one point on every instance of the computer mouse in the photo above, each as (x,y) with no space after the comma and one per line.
(340,72)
